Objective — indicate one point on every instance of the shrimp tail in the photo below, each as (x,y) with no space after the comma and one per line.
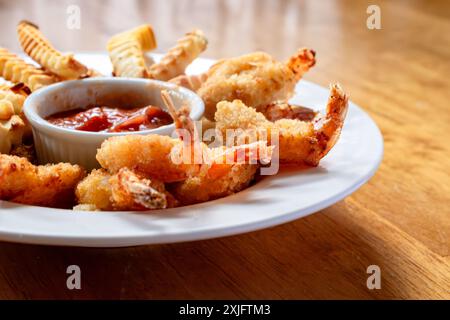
(328,127)
(128,189)
(301,62)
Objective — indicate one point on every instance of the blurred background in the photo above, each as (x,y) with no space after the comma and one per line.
(336,29)
(398,74)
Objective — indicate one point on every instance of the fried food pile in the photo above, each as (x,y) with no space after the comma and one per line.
(246,95)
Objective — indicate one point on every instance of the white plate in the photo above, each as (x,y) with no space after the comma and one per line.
(289,195)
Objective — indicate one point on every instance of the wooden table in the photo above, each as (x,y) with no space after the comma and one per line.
(399,221)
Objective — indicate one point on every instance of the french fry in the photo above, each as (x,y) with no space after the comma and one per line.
(41,50)
(6,109)
(19,88)
(16,70)
(11,133)
(10,102)
(179,57)
(126,51)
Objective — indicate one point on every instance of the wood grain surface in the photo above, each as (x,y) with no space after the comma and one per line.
(400,220)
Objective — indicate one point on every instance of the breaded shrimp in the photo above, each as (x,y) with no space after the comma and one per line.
(124,190)
(215,173)
(231,170)
(203,188)
(299,141)
(159,157)
(147,154)
(256,78)
(282,110)
(49,185)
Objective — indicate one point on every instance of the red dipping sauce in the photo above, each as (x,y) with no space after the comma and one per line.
(95,118)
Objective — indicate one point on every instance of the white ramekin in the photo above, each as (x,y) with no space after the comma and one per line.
(56,144)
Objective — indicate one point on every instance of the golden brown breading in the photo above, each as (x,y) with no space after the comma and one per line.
(179,57)
(300,142)
(95,190)
(49,185)
(203,188)
(14,69)
(39,48)
(149,155)
(256,79)
(124,190)
(126,51)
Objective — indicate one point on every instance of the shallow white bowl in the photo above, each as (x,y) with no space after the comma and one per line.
(56,144)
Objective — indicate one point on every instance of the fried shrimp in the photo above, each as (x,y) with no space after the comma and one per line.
(300,142)
(185,160)
(159,157)
(39,48)
(282,110)
(149,155)
(204,188)
(14,69)
(49,185)
(126,51)
(225,175)
(179,57)
(256,78)
(125,190)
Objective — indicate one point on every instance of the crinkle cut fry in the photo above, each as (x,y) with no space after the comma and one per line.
(39,48)
(49,185)
(179,57)
(14,69)
(126,51)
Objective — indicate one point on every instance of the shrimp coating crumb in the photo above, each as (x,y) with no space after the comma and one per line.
(49,185)
(300,142)
(95,190)
(256,78)
(125,190)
